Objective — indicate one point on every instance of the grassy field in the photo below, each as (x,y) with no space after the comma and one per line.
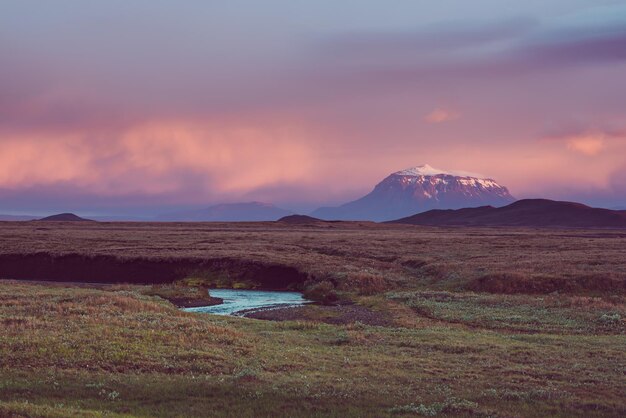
(442,350)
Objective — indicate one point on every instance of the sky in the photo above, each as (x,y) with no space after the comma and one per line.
(146,105)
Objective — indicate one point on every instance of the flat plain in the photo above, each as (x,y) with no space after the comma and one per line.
(412,321)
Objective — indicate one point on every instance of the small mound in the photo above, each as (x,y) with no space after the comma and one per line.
(299,219)
(65,217)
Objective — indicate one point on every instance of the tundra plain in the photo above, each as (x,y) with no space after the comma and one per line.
(412,321)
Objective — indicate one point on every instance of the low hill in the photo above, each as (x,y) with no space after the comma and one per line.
(527,212)
(299,219)
(65,217)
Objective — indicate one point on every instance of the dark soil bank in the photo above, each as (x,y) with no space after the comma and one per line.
(111,269)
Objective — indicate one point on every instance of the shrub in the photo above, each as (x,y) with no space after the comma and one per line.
(452,405)
(247,373)
(611,318)
(365,283)
(242,285)
(323,292)
(421,409)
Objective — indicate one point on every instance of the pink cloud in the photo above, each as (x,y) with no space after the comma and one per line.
(316,120)
(440,115)
(152,158)
(591,142)
(589,145)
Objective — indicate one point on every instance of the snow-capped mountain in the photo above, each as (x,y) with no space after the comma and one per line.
(419,189)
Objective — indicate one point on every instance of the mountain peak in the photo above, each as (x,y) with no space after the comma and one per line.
(419,189)
(428,170)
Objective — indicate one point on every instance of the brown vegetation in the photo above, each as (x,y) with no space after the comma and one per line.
(114,351)
(365,283)
(421,321)
(362,257)
(511,283)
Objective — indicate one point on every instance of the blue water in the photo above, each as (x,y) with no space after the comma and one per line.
(240,300)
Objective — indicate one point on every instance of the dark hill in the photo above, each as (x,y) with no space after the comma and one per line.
(65,217)
(299,219)
(527,212)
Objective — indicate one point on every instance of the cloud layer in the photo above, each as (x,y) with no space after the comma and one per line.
(306,105)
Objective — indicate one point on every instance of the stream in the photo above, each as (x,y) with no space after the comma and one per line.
(236,301)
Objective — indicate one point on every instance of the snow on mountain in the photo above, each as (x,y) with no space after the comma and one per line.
(427,170)
(419,189)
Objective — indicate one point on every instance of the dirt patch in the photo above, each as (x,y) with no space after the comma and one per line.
(336,315)
(195,303)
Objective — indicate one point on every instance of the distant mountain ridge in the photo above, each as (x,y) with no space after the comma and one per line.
(15,218)
(526,212)
(229,212)
(419,189)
